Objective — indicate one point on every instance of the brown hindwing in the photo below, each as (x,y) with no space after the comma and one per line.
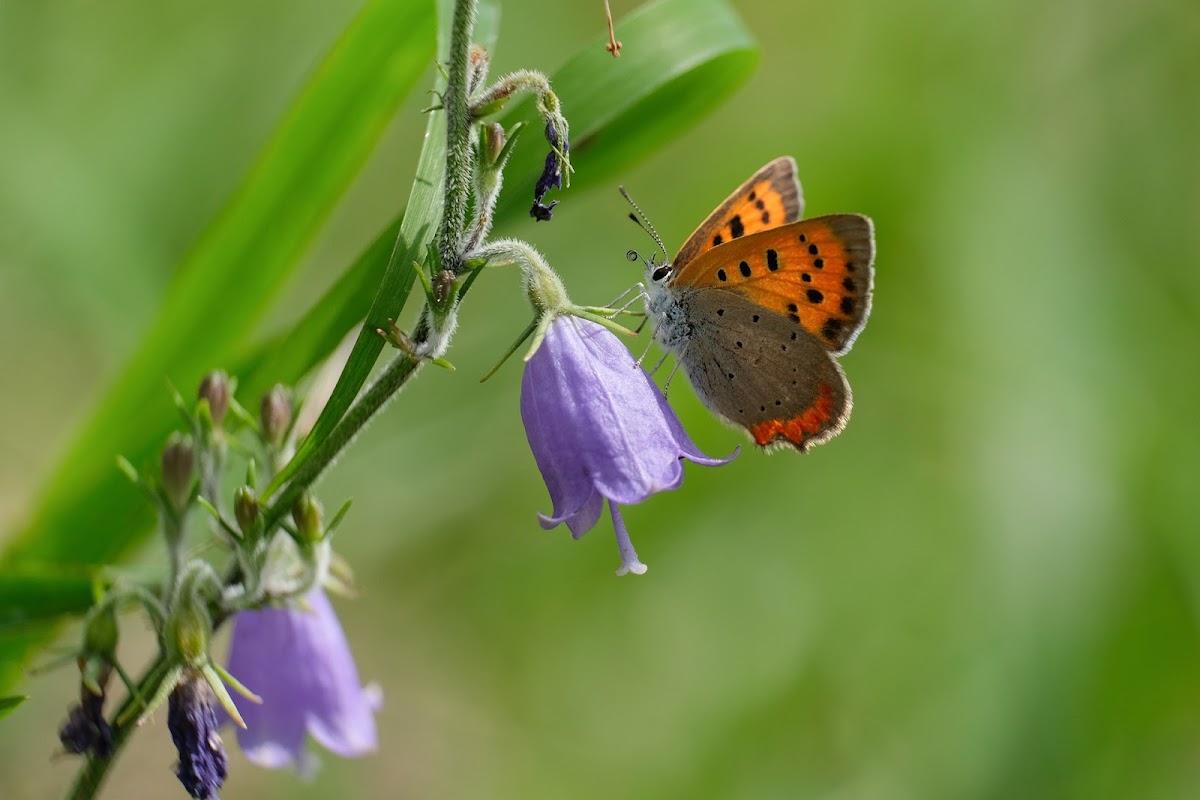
(761,371)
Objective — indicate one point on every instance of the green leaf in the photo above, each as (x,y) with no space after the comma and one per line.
(681,59)
(30,594)
(88,513)
(32,598)
(9,704)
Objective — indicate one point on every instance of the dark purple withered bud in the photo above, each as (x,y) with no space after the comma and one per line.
(86,730)
(215,389)
(192,720)
(542,213)
(275,414)
(551,177)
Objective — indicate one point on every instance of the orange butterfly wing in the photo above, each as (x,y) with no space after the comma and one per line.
(770,198)
(817,272)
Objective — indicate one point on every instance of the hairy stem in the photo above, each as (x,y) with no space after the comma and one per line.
(458,138)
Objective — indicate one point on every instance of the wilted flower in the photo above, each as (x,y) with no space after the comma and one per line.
(599,429)
(86,730)
(192,720)
(551,174)
(298,660)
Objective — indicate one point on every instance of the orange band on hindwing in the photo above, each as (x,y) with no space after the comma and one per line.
(797,430)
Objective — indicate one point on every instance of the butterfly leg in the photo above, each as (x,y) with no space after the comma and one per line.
(637,287)
(611,311)
(645,353)
(674,369)
(661,361)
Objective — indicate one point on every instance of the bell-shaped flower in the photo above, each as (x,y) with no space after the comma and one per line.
(299,662)
(600,429)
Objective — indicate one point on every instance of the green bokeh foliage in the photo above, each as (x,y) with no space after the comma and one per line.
(987,587)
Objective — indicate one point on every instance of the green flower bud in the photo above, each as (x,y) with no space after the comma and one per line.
(99,653)
(215,389)
(307,515)
(275,414)
(101,635)
(187,632)
(494,140)
(245,508)
(178,465)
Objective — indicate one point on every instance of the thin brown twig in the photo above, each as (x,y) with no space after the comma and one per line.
(613,45)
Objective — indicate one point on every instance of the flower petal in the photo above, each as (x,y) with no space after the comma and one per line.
(300,663)
(688,448)
(581,520)
(553,436)
(629,557)
(628,450)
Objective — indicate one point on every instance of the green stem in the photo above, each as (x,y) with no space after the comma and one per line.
(364,409)
(458,138)
(173,531)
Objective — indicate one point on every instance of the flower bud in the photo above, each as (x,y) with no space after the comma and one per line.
(215,389)
(101,635)
(192,721)
(275,414)
(494,141)
(178,464)
(245,508)
(188,630)
(307,515)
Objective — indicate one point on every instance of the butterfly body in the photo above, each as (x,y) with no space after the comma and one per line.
(757,304)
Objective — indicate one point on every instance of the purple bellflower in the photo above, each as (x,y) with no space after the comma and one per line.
(298,660)
(599,429)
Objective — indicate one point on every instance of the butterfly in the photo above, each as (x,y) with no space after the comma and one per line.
(758,304)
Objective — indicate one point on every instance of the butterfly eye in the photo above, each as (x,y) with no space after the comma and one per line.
(661,273)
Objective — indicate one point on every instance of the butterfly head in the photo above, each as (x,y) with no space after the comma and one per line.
(657,272)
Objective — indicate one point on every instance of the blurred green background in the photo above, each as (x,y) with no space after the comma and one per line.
(987,587)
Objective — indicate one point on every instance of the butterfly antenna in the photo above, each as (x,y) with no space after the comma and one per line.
(644,223)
